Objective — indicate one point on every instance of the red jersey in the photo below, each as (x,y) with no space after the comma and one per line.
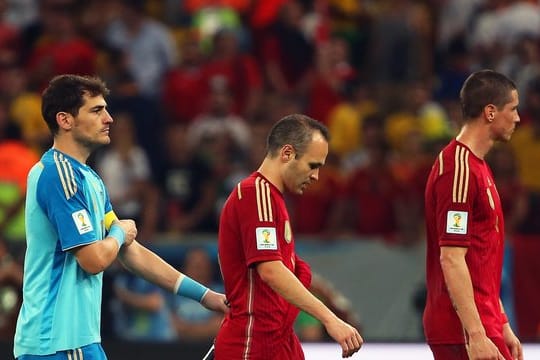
(463,209)
(254,227)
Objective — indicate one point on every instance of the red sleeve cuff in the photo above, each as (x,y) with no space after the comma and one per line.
(262,258)
(458,243)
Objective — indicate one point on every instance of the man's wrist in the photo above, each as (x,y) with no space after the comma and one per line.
(476,333)
(186,286)
(118,234)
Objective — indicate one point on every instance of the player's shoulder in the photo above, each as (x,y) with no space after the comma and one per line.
(60,170)
(454,156)
(456,170)
(252,186)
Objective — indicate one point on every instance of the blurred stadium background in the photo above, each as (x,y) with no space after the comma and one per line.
(196,84)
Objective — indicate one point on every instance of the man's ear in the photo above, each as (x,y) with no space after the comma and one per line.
(64,120)
(489,112)
(287,152)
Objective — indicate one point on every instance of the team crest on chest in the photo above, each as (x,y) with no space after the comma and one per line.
(288,232)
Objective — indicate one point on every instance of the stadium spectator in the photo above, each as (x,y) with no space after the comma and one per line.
(16,160)
(126,98)
(11,281)
(191,321)
(10,42)
(184,86)
(125,170)
(346,118)
(219,121)
(148,44)
(513,194)
(416,111)
(238,71)
(287,54)
(314,212)
(60,49)
(410,166)
(310,329)
(526,146)
(140,310)
(372,194)
(24,105)
(404,28)
(332,73)
(371,133)
(188,187)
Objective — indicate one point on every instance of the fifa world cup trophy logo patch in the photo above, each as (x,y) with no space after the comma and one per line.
(266,236)
(82,221)
(457,220)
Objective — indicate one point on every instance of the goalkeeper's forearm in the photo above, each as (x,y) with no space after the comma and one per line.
(148,265)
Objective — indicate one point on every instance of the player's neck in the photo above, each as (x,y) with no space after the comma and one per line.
(74,150)
(475,136)
(271,171)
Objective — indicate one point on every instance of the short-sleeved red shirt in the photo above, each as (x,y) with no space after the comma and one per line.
(463,209)
(254,227)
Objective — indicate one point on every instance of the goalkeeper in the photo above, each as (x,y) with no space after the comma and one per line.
(73,234)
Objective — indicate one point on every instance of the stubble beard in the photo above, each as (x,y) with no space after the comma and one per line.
(91,144)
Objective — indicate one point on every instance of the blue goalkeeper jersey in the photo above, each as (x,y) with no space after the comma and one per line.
(66,205)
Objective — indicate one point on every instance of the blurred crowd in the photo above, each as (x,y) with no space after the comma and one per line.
(196,84)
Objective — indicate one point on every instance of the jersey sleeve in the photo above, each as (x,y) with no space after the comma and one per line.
(302,270)
(61,196)
(455,191)
(258,224)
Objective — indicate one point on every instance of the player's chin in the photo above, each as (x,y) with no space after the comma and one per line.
(507,137)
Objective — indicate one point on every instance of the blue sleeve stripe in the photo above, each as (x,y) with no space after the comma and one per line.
(65,173)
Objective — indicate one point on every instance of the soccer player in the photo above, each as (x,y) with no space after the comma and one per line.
(73,234)
(464,317)
(265,280)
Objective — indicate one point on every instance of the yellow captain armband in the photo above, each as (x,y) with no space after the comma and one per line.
(108,220)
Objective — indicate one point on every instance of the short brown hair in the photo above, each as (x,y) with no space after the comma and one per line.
(482,88)
(296,130)
(65,93)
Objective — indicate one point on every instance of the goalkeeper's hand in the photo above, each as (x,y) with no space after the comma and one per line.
(215,301)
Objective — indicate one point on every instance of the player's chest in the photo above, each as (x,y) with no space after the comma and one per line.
(488,196)
(487,211)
